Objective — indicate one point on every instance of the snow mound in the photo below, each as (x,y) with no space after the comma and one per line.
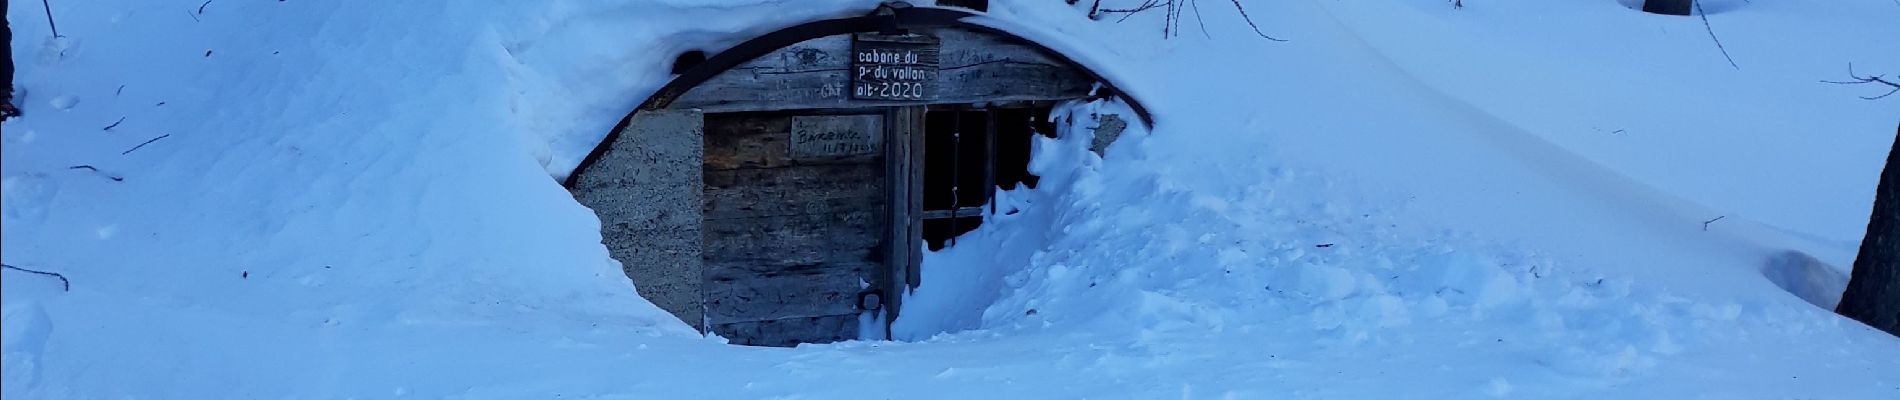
(356,200)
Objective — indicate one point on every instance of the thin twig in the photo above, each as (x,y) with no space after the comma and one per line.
(115,124)
(1167,16)
(65,285)
(114,178)
(1168,24)
(1179,8)
(1705,26)
(1198,20)
(49,17)
(1171,22)
(129,151)
(1858,80)
(1256,28)
(1705,224)
(1127,12)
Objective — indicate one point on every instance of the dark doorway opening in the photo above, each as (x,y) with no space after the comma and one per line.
(969,152)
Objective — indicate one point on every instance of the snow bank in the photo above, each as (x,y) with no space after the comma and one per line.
(353,199)
(318,173)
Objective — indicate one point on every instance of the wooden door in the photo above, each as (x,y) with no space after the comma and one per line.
(796,224)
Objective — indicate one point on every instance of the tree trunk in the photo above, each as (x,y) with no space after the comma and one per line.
(1873,294)
(6,57)
(1668,7)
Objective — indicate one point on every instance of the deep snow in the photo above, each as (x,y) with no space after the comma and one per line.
(1402,201)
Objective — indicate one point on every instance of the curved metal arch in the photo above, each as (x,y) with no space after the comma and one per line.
(886,19)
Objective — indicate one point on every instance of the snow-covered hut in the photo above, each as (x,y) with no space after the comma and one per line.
(784,190)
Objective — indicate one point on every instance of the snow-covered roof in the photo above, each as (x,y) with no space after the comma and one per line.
(894,19)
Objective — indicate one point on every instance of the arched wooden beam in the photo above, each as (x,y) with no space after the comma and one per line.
(895,20)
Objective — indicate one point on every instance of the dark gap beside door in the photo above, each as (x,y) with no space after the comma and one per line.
(968,152)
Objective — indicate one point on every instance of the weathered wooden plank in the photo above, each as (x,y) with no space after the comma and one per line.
(914,271)
(896,183)
(974,67)
(812,189)
(790,332)
(797,239)
(747,141)
(904,173)
(646,189)
(728,205)
(797,175)
(754,290)
(956,213)
(835,136)
(752,140)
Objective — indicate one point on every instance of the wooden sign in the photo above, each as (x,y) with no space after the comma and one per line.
(893,67)
(836,135)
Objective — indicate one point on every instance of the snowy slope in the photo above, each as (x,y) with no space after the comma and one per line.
(355,202)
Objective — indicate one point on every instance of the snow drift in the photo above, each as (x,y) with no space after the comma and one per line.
(354,199)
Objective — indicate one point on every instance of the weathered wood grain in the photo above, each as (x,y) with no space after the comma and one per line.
(810,189)
(747,140)
(799,239)
(904,169)
(790,332)
(960,212)
(758,140)
(814,74)
(914,271)
(754,290)
(835,136)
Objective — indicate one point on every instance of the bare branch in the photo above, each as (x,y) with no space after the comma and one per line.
(1877,80)
(64,284)
(1198,20)
(49,19)
(141,145)
(1718,41)
(1171,22)
(1126,12)
(95,170)
(1256,28)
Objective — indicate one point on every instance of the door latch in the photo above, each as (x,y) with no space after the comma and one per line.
(871,300)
